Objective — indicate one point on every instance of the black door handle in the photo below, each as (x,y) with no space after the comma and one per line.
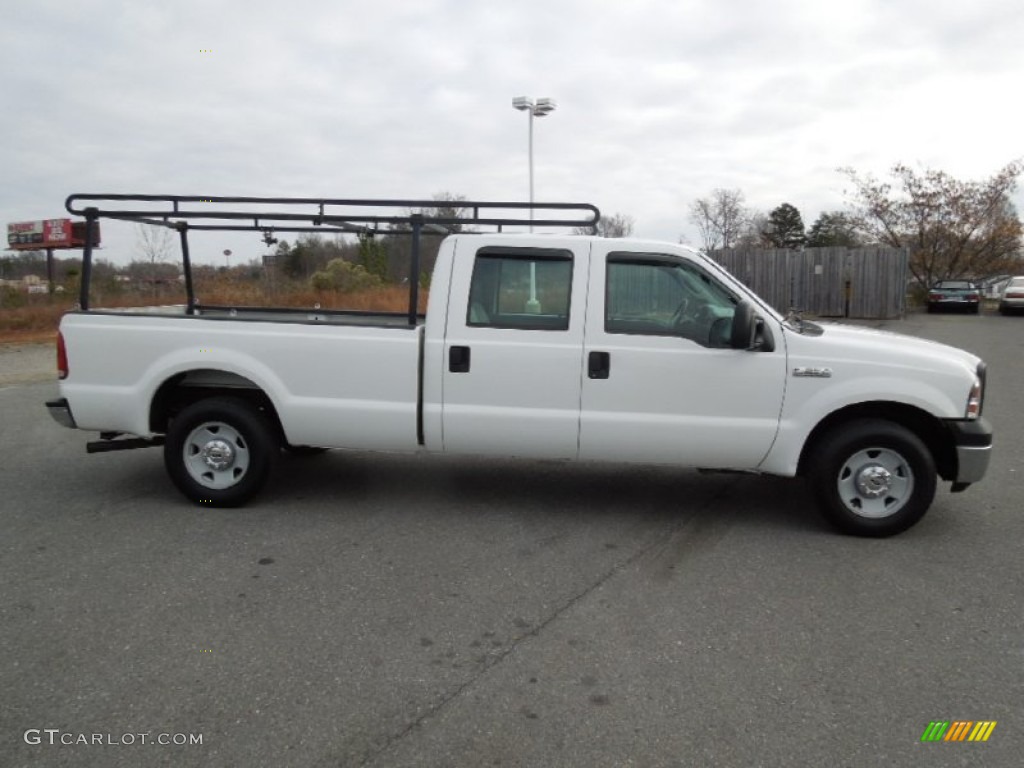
(599,365)
(458,359)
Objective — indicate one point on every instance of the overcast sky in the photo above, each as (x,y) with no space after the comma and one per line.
(659,101)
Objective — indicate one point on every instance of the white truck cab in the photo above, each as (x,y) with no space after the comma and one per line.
(539,346)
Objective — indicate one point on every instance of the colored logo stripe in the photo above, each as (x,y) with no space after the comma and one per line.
(958,730)
(982,731)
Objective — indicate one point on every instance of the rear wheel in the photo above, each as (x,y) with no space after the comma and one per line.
(873,477)
(219,451)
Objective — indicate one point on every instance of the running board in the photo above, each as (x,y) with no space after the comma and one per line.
(126,444)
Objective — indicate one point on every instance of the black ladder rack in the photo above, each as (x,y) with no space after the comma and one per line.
(309,214)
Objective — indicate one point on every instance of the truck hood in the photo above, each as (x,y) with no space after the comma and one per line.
(840,343)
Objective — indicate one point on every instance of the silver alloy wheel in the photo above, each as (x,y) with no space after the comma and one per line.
(875,483)
(216,455)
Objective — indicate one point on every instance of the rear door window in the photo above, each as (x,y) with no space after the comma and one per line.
(524,288)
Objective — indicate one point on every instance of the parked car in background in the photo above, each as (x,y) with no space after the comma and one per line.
(1012,299)
(954,294)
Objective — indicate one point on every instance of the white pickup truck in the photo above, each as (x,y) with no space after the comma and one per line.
(534,345)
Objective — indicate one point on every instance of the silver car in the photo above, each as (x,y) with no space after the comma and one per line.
(1012,299)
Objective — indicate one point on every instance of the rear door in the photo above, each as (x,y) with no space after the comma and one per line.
(514,349)
(662,384)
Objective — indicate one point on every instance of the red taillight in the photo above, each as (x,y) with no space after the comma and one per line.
(1014,295)
(935,296)
(972,297)
(62,357)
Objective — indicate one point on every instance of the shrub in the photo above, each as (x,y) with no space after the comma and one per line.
(345,277)
(11,298)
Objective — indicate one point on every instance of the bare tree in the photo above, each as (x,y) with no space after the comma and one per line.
(154,244)
(616,225)
(953,228)
(720,218)
(754,233)
(449,206)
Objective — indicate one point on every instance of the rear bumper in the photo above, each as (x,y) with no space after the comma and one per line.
(973,441)
(61,412)
(954,303)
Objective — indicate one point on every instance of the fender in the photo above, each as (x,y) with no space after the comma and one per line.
(805,408)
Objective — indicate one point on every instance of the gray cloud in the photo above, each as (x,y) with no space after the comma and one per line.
(659,101)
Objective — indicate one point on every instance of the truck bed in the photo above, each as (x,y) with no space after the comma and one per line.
(339,380)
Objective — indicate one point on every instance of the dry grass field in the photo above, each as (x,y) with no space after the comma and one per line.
(37,317)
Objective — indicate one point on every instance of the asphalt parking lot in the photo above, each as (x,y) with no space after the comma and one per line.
(416,611)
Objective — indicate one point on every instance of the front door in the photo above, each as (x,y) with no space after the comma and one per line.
(662,384)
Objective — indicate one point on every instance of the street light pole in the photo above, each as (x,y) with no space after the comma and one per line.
(537,108)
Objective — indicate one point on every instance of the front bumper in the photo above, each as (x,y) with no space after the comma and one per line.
(61,412)
(973,441)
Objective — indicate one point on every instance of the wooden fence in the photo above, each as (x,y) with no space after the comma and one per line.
(827,282)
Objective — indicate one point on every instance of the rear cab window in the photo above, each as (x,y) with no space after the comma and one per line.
(522,288)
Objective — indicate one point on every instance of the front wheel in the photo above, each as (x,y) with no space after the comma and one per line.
(873,477)
(219,451)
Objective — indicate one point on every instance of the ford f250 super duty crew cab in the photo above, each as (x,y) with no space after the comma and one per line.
(534,345)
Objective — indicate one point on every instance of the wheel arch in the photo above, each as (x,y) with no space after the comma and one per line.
(182,389)
(929,429)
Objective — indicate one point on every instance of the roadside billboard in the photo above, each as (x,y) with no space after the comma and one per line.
(47,233)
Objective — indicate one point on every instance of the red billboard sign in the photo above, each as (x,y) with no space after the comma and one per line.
(57,232)
(48,233)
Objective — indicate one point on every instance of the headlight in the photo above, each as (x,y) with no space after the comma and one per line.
(977,394)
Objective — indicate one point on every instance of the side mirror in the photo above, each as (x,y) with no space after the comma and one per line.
(749,331)
(743,326)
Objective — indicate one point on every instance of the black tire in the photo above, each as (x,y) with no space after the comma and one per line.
(931,309)
(872,477)
(220,430)
(977,309)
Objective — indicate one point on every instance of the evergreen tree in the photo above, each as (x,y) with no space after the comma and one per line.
(785,228)
(373,256)
(833,228)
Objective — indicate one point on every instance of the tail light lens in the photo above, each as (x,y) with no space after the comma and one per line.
(62,357)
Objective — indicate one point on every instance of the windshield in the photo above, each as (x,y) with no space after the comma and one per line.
(955,285)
